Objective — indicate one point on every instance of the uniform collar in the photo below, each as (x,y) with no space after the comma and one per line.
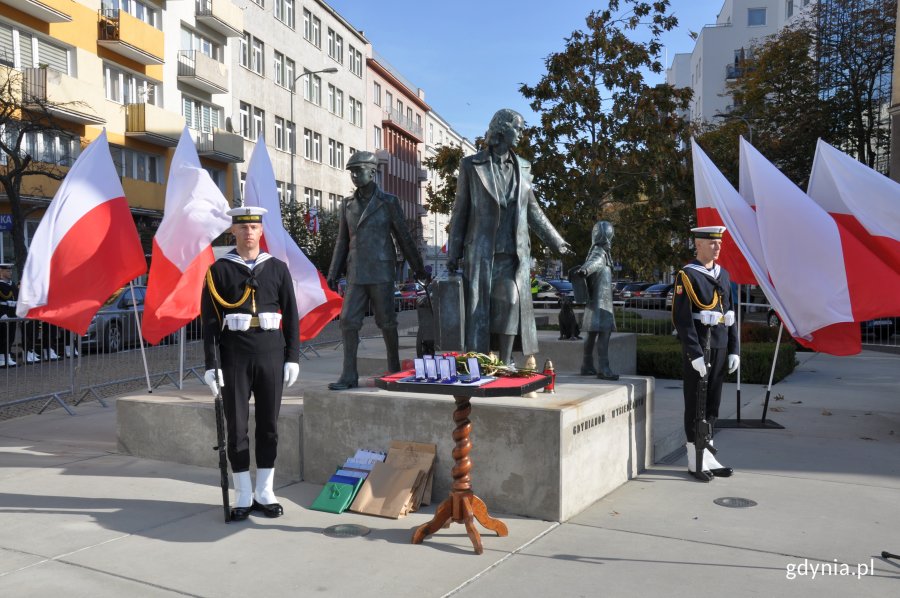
(232,256)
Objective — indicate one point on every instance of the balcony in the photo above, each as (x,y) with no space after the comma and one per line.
(199,70)
(733,71)
(221,146)
(220,15)
(153,124)
(393,117)
(421,175)
(62,96)
(48,11)
(123,34)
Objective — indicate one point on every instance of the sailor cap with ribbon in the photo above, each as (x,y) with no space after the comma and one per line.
(708,232)
(245,214)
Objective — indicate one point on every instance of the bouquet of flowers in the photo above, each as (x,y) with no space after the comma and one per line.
(490,365)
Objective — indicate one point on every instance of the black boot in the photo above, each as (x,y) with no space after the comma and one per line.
(392,346)
(603,356)
(349,378)
(587,364)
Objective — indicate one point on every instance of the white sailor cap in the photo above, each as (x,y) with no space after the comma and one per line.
(708,232)
(246,214)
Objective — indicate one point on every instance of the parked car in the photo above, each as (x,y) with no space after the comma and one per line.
(880,329)
(113,327)
(408,294)
(619,287)
(545,296)
(653,297)
(635,289)
(563,287)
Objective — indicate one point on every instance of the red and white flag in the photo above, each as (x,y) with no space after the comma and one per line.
(863,201)
(827,279)
(730,256)
(85,248)
(316,303)
(195,214)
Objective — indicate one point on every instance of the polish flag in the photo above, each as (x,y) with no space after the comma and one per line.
(85,248)
(316,303)
(862,200)
(730,256)
(828,280)
(195,214)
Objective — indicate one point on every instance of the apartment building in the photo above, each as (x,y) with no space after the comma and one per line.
(438,133)
(109,65)
(299,81)
(720,49)
(397,112)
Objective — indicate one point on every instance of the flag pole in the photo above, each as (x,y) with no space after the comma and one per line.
(137,323)
(772,371)
(738,396)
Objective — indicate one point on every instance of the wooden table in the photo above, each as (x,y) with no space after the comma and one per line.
(462,506)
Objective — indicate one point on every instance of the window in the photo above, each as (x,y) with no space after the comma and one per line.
(191,40)
(333,201)
(259,122)
(244,59)
(136,165)
(388,100)
(279,133)
(279,68)
(312,28)
(142,12)
(355,112)
(355,61)
(200,116)
(331,94)
(377,140)
(307,144)
(399,109)
(290,70)
(245,120)
(332,152)
(376,93)
(789,10)
(284,12)
(430,132)
(127,88)
(756,17)
(409,117)
(257,51)
(317,198)
(339,156)
(307,195)
(23,50)
(315,89)
(290,132)
(317,147)
(339,103)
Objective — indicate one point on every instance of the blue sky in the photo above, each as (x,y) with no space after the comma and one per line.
(471,56)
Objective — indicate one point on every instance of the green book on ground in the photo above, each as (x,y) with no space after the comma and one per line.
(336,496)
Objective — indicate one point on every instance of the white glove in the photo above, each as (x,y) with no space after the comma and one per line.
(729,318)
(210,376)
(291,372)
(699,365)
(734,362)
(709,317)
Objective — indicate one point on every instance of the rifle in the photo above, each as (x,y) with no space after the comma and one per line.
(702,428)
(221,440)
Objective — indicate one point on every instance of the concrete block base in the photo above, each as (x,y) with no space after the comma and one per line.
(181,427)
(548,457)
(567,355)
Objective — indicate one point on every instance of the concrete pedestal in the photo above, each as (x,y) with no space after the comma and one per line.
(181,427)
(548,457)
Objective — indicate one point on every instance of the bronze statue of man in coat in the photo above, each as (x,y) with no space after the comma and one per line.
(371,221)
(494,211)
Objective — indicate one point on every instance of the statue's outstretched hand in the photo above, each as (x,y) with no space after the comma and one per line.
(566,249)
(452,265)
(332,284)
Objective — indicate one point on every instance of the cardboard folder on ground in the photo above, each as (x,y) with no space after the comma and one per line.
(395,487)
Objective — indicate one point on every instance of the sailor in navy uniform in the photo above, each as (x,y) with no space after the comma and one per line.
(701,299)
(249,310)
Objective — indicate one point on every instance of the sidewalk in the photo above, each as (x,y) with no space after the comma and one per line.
(78,519)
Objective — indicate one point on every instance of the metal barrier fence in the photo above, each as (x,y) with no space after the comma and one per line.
(44,366)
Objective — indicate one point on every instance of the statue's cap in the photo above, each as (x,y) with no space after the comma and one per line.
(246,214)
(362,158)
(708,232)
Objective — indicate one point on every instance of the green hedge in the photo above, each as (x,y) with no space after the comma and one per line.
(660,356)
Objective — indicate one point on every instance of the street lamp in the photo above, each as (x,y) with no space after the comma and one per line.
(738,117)
(331,69)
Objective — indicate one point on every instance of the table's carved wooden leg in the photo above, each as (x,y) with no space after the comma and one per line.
(469,521)
(479,509)
(460,472)
(441,519)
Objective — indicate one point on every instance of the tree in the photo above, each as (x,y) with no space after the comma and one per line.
(855,52)
(446,162)
(26,116)
(609,145)
(318,246)
(778,95)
